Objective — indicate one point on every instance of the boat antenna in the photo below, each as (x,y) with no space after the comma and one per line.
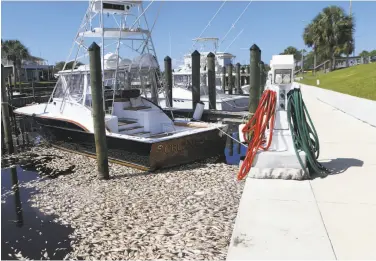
(233,25)
(151,30)
(139,17)
(234,39)
(211,20)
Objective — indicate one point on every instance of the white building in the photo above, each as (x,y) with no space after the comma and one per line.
(34,68)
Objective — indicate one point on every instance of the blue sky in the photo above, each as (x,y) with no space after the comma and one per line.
(48,28)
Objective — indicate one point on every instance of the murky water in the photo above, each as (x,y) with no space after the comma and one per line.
(25,229)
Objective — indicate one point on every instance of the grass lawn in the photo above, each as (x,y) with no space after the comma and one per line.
(358,81)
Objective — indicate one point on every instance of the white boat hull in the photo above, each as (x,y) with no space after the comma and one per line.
(182,99)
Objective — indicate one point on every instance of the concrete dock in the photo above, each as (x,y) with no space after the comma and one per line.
(323,218)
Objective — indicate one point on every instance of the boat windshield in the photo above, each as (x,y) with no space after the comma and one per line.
(182,80)
(76,87)
(70,86)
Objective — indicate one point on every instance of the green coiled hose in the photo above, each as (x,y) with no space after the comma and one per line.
(303,133)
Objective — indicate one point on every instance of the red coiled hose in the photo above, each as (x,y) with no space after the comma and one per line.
(256,127)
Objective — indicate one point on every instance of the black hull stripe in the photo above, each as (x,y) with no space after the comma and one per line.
(135,153)
(112,160)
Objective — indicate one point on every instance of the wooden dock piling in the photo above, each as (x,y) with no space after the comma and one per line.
(224,79)
(242,77)
(211,81)
(239,144)
(168,81)
(196,57)
(2,136)
(254,78)
(230,143)
(5,114)
(33,88)
(262,75)
(17,197)
(153,88)
(10,92)
(230,79)
(237,80)
(248,69)
(98,111)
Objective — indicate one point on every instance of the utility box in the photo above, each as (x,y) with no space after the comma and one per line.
(8,70)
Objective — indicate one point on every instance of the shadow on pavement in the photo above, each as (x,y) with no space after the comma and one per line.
(339,165)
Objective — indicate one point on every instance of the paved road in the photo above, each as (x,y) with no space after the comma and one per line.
(324,218)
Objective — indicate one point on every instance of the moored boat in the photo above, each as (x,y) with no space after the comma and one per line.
(182,82)
(138,132)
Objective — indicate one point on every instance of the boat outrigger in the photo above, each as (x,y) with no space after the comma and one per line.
(139,133)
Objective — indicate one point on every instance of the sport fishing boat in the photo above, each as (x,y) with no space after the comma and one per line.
(182,81)
(139,134)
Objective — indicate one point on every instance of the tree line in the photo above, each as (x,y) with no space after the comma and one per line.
(16,52)
(330,35)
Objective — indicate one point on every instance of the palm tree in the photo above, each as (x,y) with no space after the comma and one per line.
(292,50)
(372,53)
(331,33)
(347,43)
(364,53)
(311,37)
(15,51)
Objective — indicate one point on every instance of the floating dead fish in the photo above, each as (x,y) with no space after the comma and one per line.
(157,216)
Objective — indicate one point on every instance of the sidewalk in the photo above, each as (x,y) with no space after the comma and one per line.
(324,218)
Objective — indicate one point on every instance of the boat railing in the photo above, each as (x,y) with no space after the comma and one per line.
(168,126)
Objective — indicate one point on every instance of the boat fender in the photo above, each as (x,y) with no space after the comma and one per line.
(241,136)
(198,111)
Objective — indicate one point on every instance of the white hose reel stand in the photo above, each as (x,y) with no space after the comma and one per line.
(280,161)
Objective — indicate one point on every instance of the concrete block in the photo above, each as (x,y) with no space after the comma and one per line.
(279,159)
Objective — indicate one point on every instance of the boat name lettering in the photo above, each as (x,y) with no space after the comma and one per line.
(179,146)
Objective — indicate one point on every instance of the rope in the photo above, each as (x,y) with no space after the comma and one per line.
(234,106)
(236,37)
(139,17)
(233,25)
(254,130)
(238,141)
(303,133)
(194,44)
(152,28)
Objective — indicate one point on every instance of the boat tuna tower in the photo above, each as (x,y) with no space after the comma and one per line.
(128,55)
